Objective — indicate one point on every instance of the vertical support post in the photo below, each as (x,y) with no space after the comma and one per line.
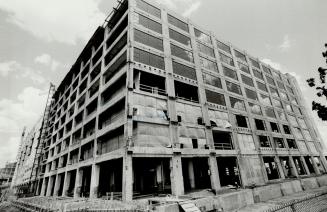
(39,187)
(78,183)
(214,172)
(50,185)
(127,178)
(280,168)
(43,191)
(66,184)
(176,175)
(315,167)
(57,185)
(191,173)
(293,167)
(305,165)
(323,162)
(94,181)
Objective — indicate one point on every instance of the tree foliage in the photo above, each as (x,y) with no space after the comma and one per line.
(319,85)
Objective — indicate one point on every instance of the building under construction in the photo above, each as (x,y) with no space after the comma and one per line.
(155,104)
(6,176)
(24,179)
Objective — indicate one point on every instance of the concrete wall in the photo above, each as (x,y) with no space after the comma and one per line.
(309,183)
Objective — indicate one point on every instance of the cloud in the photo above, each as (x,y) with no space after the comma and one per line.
(8,150)
(302,83)
(186,7)
(275,65)
(18,70)
(47,60)
(191,9)
(169,3)
(321,125)
(60,20)
(7,67)
(286,44)
(23,111)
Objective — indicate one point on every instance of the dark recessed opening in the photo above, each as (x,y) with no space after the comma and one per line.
(241,121)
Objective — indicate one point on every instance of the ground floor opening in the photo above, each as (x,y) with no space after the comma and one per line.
(61,183)
(110,179)
(271,168)
(309,163)
(85,173)
(229,174)
(52,184)
(299,165)
(196,173)
(286,165)
(71,179)
(38,191)
(151,176)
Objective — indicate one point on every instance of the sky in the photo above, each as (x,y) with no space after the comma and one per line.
(41,39)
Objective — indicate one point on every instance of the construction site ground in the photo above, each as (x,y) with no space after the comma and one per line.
(311,200)
(300,195)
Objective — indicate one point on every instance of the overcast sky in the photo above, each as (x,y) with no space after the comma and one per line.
(41,39)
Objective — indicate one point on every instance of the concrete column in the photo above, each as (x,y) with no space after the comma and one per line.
(315,167)
(293,167)
(66,184)
(78,183)
(159,173)
(214,173)
(305,165)
(94,181)
(57,185)
(191,173)
(112,179)
(176,175)
(127,178)
(263,170)
(43,186)
(284,169)
(50,185)
(39,187)
(280,168)
(323,162)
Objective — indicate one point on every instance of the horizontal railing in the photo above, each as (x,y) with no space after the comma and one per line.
(154,90)
(223,146)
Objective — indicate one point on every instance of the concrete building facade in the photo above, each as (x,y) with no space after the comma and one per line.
(155,104)
(6,177)
(23,181)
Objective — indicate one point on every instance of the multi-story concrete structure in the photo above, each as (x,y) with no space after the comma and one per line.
(156,104)
(25,168)
(7,172)
(6,176)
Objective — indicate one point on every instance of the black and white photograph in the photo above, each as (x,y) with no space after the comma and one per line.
(163,106)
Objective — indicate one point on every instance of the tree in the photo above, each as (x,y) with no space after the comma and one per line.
(321,89)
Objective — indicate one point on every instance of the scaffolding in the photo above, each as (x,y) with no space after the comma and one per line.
(44,135)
